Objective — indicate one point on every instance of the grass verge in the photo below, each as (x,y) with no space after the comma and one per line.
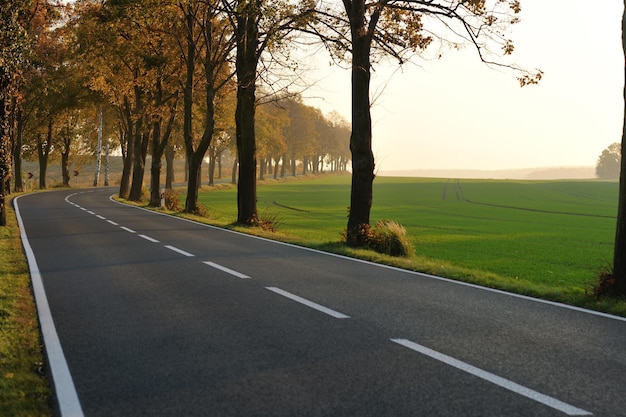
(24,389)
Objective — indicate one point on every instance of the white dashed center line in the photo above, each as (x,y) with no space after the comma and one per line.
(182,252)
(148,238)
(570,410)
(308,303)
(227,270)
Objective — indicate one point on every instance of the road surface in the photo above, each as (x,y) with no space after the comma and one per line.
(145,314)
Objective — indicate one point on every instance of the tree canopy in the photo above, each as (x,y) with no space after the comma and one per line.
(15,48)
(609,162)
(140,59)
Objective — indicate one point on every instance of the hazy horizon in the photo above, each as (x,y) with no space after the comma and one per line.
(456,112)
(533,173)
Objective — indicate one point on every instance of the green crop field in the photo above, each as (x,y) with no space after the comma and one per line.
(545,238)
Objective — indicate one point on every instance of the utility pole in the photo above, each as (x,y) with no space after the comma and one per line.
(98,150)
(106,163)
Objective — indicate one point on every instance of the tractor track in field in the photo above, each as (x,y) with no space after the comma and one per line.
(276,203)
(461,197)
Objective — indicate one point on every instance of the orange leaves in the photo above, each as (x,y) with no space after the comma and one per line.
(403,28)
(529,78)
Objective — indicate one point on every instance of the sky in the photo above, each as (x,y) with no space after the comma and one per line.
(457,113)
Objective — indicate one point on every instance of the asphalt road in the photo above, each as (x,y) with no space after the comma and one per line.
(144,314)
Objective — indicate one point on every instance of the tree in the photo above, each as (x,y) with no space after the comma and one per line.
(224,129)
(301,134)
(608,164)
(38,20)
(110,55)
(258,26)
(269,127)
(209,39)
(370,30)
(14,48)
(619,254)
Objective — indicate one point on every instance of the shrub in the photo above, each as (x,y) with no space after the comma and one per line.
(391,238)
(608,286)
(172,202)
(202,210)
(268,222)
(386,237)
(363,237)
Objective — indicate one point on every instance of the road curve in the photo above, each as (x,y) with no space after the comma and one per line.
(145,314)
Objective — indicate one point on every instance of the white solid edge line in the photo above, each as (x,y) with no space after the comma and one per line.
(551,402)
(69,404)
(227,270)
(182,252)
(308,303)
(393,268)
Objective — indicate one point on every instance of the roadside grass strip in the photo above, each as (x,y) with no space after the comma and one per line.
(568,409)
(227,270)
(308,303)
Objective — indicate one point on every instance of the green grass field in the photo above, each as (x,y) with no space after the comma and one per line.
(544,238)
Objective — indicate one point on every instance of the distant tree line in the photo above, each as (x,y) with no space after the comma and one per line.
(609,162)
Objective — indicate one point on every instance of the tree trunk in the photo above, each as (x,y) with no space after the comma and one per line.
(127,165)
(361,137)
(128,150)
(159,144)
(283,166)
(193,184)
(17,153)
(195,157)
(43,152)
(276,161)
(139,164)
(262,168)
(212,163)
(234,170)
(155,166)
(619,257)
(3,193)
(140,140)
(169,166)
(5,157)
(65,161)
(247,34)
(246,149)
